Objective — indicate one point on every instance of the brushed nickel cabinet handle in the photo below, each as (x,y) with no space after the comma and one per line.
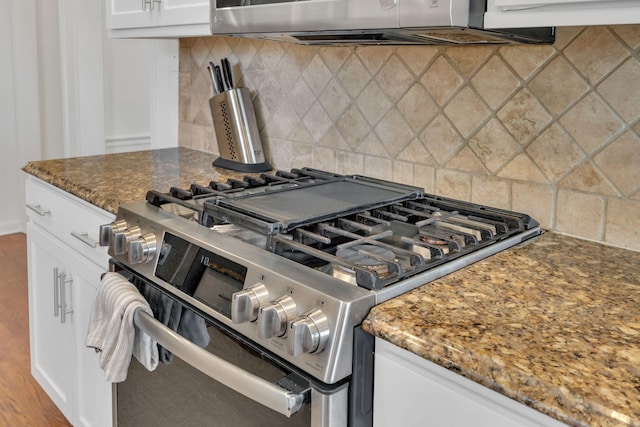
(39,209)
(83,236)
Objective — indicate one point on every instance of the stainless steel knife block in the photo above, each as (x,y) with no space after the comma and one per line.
(236,130)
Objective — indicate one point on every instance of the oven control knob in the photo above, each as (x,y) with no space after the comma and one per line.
(120,242)
(246,303)
(309,333)
(275,317)
(143,249)
(108,230)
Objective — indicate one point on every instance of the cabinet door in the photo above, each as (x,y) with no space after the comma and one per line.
(130,13)
(50,339)
(93,394)
(183,12)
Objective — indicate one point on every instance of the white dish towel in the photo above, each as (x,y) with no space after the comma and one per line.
(112,331)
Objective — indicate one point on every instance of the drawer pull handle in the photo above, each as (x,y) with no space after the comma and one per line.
(39,210)
(84,238)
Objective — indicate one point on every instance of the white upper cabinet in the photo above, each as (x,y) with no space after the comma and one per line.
(557,13)
(157,18)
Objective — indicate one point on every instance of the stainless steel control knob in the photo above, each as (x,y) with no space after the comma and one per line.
(246,303)
(108,230)
(143,249)
(274,319)
(309,333)
(120,242)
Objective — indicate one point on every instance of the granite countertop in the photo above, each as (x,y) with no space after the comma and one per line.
(110,180)
(554,324)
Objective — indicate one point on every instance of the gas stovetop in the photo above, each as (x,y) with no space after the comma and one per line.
(295,260)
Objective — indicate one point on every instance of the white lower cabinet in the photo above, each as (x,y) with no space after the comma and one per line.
(410,391)
(62,285)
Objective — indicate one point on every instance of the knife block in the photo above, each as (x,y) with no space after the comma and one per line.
(236,130)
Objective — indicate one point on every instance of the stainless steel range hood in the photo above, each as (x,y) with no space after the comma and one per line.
(366,22)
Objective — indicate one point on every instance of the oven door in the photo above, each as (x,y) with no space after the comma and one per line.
(227,383)
(283,16)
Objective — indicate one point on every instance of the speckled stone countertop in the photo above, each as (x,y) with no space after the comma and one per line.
(554,324)
(110,180)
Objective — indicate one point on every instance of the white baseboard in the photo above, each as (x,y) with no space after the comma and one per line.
(11,227)
(123,143)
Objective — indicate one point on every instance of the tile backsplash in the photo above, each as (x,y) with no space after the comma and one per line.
(552,131)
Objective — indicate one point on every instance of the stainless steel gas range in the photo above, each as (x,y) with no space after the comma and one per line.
(287,265)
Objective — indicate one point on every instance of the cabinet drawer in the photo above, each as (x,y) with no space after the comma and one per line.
(68,218)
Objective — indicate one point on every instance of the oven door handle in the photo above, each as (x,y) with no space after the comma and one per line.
(253,387)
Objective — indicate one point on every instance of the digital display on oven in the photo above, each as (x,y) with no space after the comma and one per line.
(202,274)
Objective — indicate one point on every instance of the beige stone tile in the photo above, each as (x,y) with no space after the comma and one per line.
(526,59)
(334,99)
(301,134)
(255,74)
(466,111)
(372,146)
(564,36)
(622,227)
(373,103)
(491,191)
(243,49)
(579,214)
(200,52)
(186,42)
(373,57)
(557,85)
(333,139)
(185,62)
(184,134)
(280,154)
(218,46)
(271,52)
(394,78)
(289,70)
(441,139)
(466,60)
(353,76)
(301,97)
(629,33)
(325,158)
(522,168)
(523,116)
(378,167)
(402,172)
(317,121)
(554,153)
(494,145)
(595,52)
(424,177)
(534,200)
(301,154)
(466,160)
(622,91)
(495,82)
(637,128)
(454,184)
(417,107)
(350,163)
(284,121)
(353,126)
(416,152)
(271,94)
(417,57)
(335,56)
(591,123)
(183,107)
(441,80)
(317,75)
(198,138)
(620,161)
(587,178)
(394,132)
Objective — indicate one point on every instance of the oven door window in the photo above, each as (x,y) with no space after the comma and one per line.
(178,394)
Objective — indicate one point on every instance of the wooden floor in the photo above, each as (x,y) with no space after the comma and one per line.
(22,402)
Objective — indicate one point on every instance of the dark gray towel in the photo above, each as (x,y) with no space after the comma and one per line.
(173,315)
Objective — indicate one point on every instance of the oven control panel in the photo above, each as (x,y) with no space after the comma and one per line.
(304,316)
